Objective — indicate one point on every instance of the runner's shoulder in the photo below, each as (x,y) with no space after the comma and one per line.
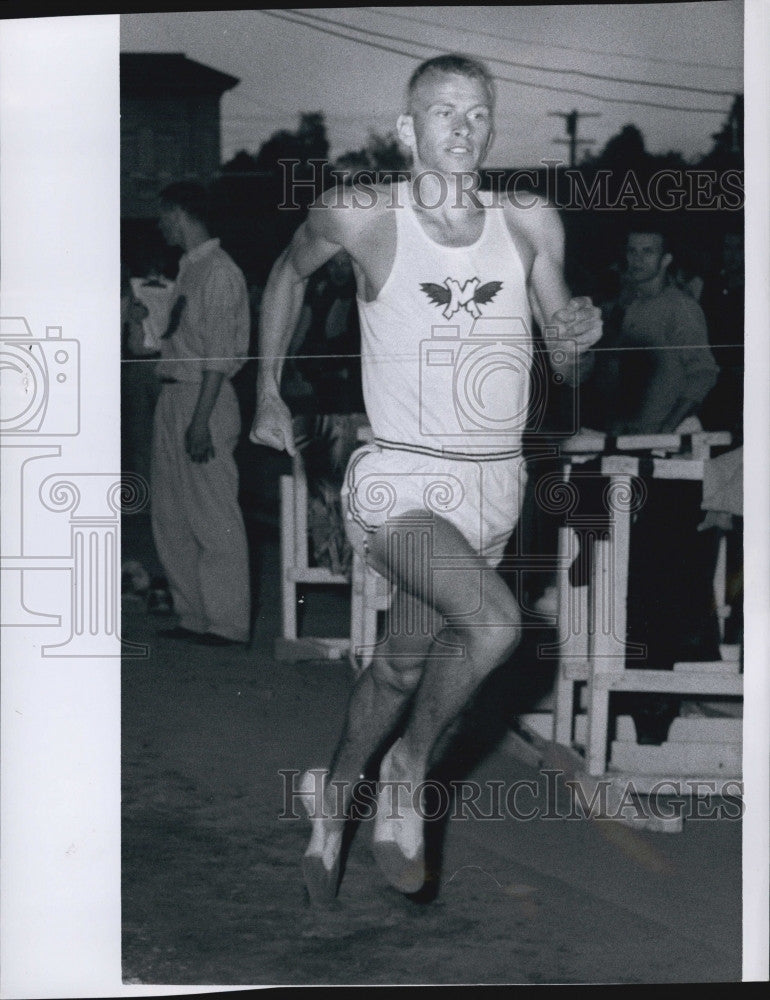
(533,218)
(529,211)
(346,211)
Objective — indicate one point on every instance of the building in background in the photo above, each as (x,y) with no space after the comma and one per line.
(170,129)
(169,125)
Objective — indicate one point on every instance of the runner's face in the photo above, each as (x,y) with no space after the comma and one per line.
(452,123)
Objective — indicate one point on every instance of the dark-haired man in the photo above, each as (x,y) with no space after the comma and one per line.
(658,368)
(197,522)
(653,370)
(448,278)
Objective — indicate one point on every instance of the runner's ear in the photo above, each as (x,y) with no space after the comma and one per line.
(405,129)
(490,142)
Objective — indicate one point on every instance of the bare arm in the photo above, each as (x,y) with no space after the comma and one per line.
(313,244)
(699,369)
(571,326)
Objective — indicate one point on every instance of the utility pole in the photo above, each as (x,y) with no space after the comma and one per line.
(570,127)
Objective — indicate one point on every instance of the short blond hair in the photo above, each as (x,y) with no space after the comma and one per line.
(452,63)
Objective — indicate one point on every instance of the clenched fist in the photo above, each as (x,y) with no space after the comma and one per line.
(579,323)
(272,424)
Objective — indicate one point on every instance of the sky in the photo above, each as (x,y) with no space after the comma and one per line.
(293,60)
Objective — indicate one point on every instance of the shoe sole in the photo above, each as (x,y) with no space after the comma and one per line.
(407,874)
(321,883)
(403,873)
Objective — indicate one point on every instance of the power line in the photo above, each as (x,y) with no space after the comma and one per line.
(282,16)
(585,74)
(554,45)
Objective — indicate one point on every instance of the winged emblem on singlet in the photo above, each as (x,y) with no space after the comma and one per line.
(454,296)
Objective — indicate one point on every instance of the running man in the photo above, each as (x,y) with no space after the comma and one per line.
(432,256)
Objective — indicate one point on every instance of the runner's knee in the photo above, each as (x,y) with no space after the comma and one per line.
(492,644)
(401,675)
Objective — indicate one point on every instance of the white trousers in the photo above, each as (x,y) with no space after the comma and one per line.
(196,520)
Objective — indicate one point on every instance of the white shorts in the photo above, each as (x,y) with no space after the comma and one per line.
(482,499)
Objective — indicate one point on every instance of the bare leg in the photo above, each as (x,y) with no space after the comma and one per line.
(442,664)
(383,691)
(479,626)
(376,705)
(483,627)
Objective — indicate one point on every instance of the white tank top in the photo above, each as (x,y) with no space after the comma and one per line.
(446,346)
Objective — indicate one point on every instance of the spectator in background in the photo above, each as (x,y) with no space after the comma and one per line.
(197,522)
(156,292)
(652,372)
(323,386)
(327,339)
(656,367)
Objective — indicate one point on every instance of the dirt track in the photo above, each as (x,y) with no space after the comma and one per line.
(212,889)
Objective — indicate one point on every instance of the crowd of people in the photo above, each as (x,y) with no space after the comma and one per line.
(376,307)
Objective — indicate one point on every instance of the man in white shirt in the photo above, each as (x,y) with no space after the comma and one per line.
(197,522)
